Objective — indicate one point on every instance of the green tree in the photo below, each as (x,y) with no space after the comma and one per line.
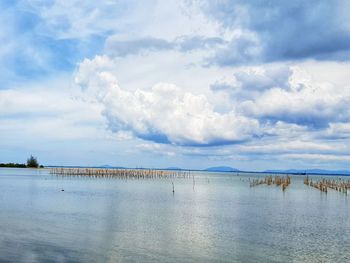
(32,162)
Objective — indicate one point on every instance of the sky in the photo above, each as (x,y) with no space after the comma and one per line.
(256,85)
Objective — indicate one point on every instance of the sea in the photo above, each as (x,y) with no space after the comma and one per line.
(210,217)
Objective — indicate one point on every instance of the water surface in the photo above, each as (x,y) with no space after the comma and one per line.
(219,219)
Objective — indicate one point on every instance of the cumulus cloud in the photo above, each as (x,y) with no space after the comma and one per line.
(284,30)
(165,113)
(282,93)
(336,131)
(252,81)
(261,79)
(242,49)
(277,101)
(314,106)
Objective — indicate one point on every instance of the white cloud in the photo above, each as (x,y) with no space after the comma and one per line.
(81,19)
(155,148)
(48,110)
(318,157)
(286,146)
(174,18)
(310,103)
(288,102)
(338,130)
(164,113)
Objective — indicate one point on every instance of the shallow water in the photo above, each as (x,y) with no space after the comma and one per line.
(220,219)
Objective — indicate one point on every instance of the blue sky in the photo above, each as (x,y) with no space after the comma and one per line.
(254,85)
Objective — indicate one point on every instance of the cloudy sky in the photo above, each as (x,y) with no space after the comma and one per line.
(251,84)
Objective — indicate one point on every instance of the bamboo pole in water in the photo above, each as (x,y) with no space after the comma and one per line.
(120,173)
(282,181)
(323,185)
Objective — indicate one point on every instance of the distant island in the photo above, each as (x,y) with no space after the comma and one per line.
(32,162)
(221,169)
(310,171)
(173,168)
(106,166)
(13,165)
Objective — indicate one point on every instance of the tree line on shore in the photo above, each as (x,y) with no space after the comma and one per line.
(32,162)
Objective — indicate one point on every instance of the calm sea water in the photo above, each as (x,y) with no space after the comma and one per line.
(220,219)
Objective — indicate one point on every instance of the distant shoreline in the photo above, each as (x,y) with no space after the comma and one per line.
(17,165)
(13,165)
(304,173)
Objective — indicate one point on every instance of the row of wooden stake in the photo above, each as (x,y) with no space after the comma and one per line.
(325,184)
(120,173)
(283,181)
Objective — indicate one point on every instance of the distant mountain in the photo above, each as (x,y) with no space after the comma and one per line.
(291,171)
(311,171)
(221,169)
(105,166)
(173,168)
